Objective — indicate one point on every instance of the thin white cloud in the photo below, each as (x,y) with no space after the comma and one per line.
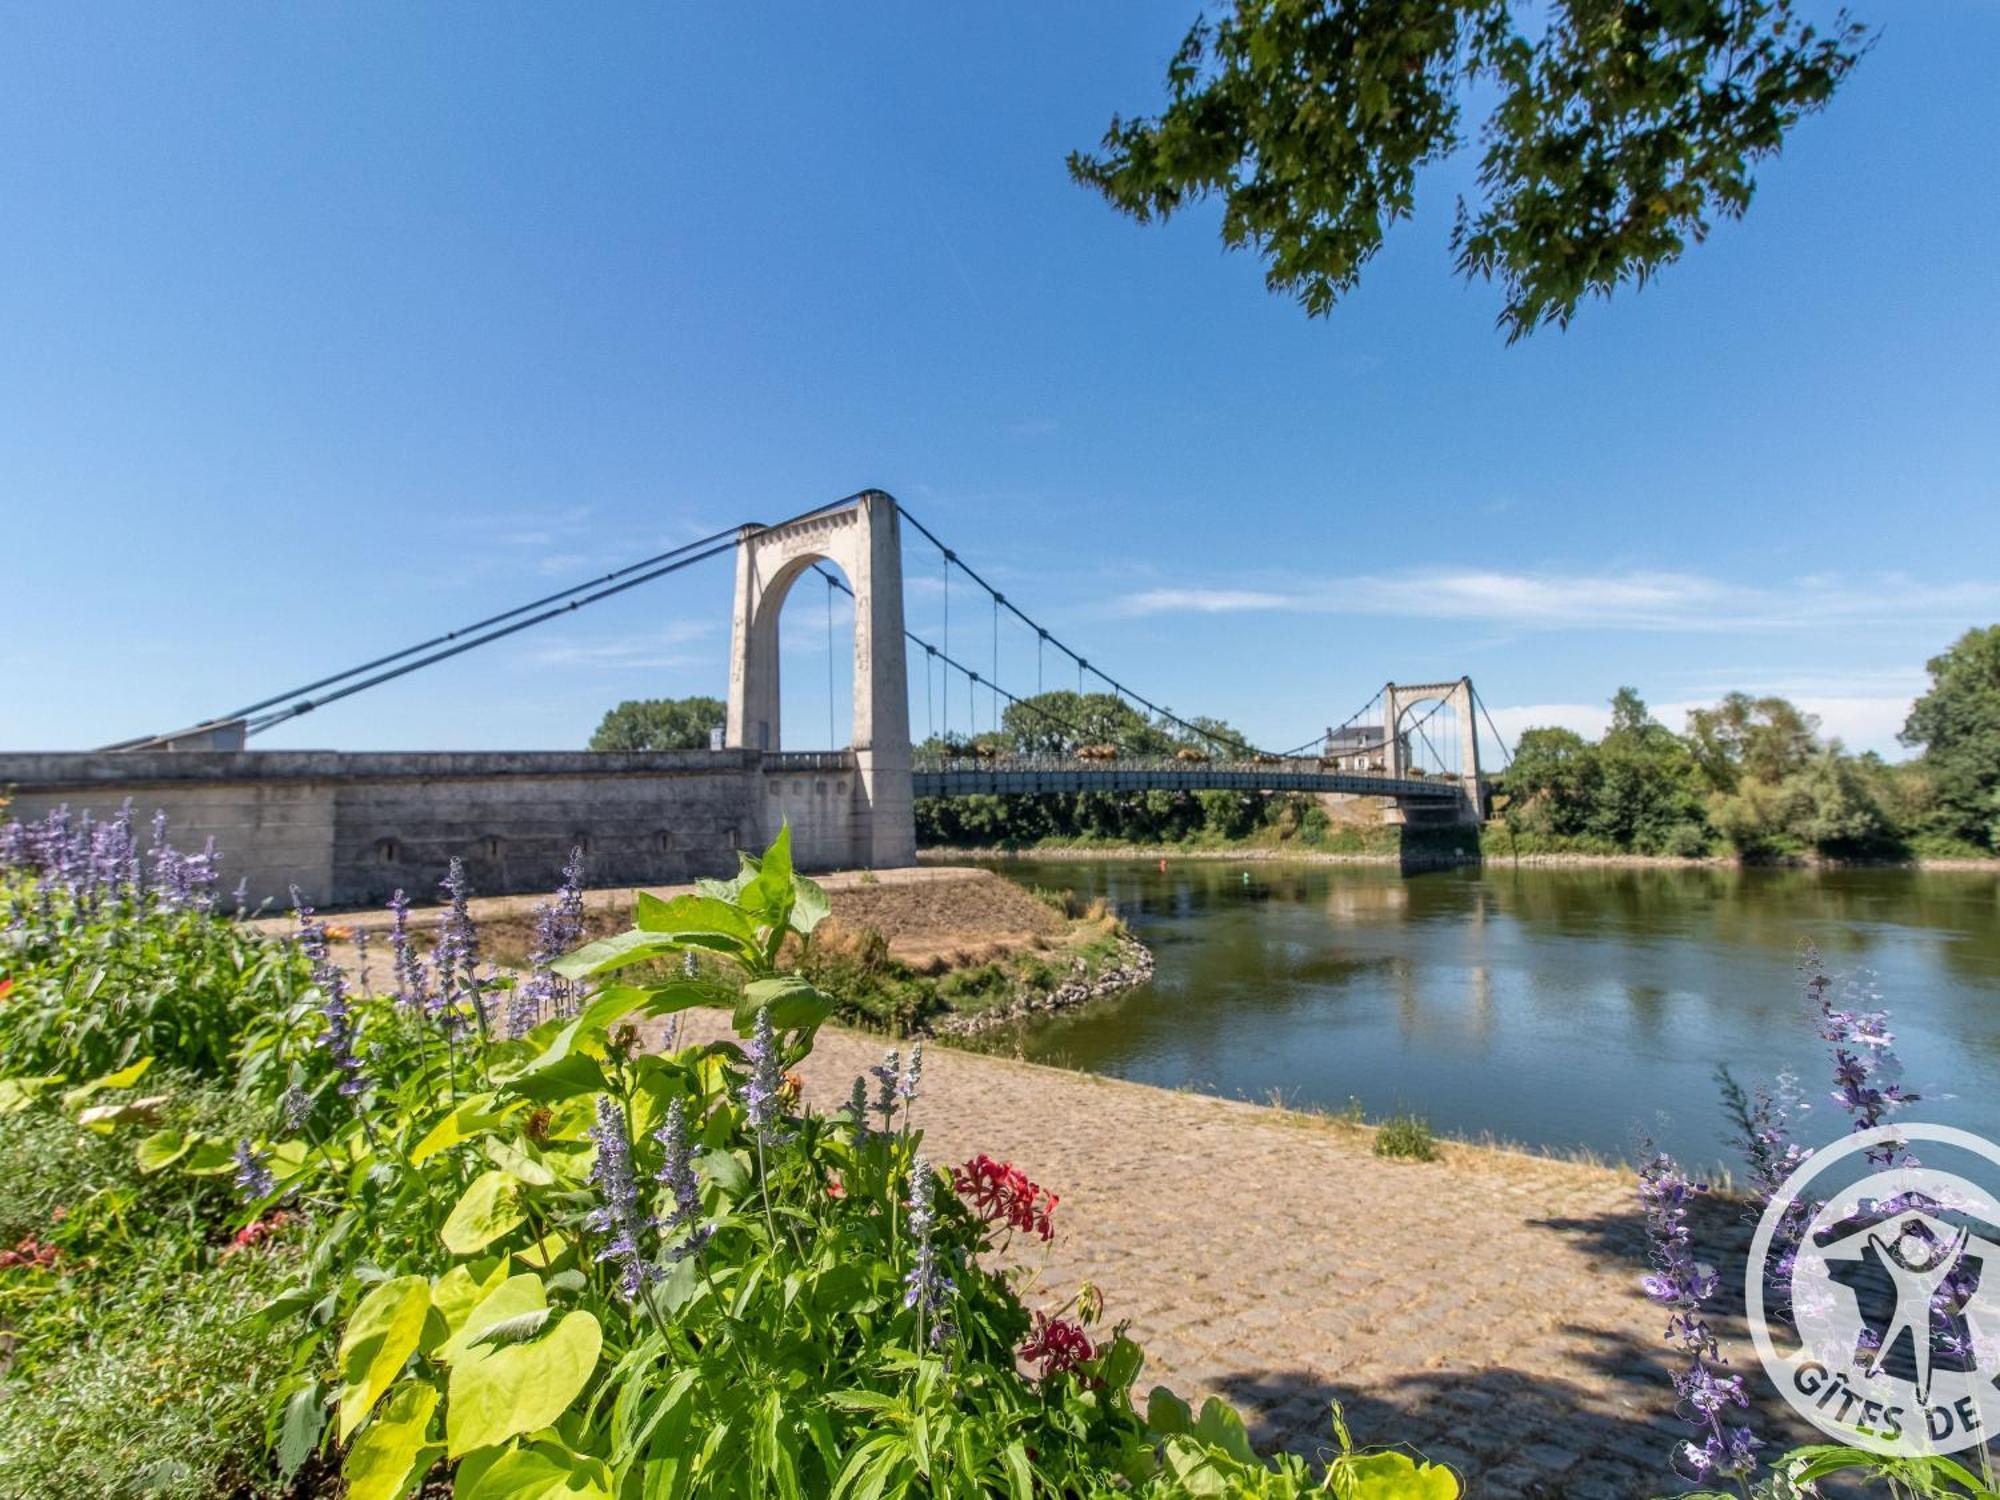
(653,648)
(1633,600)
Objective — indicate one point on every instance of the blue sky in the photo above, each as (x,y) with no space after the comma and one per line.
(325,329)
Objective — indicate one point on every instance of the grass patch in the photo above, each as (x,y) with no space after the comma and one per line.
(130,1366)
(1406,1138)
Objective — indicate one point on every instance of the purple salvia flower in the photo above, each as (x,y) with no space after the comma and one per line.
(455,960)
(906,1086)
(253,1178)
(1865,1069)
(857,1108)
(888,1077)
(761,1104)
(558,929)
(294,1109)
(926,1287)
(339,1034)
(678,1176)
(1682,1284)
(361,960)
(412,983)
(619,1217)
(243,897)
(670,1033)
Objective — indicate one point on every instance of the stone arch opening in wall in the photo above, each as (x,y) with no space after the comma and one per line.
(862,539)
(814,621)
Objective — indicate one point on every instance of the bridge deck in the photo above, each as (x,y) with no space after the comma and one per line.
(1004,778)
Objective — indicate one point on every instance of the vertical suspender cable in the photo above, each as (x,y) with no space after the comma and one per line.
(994,681)
(832,734)
(946,676)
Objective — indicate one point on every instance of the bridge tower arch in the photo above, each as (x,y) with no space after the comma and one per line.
(863,538)
(1398,699)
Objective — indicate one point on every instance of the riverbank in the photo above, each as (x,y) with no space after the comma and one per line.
(1483,1307)
(951,950)
(1491,854)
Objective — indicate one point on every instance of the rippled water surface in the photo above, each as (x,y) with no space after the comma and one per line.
(1554,1007)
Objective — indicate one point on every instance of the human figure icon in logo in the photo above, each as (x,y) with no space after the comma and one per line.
(1917,1263)
(1928,1264)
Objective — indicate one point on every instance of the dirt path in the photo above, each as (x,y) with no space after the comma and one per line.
(1483,1308)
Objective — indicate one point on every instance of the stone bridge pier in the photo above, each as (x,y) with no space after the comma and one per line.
(864,540)
(1399,700)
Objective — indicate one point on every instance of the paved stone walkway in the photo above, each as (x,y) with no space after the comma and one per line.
(1482,1309)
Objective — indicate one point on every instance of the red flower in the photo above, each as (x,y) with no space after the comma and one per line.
(1057,1345)
(28,1253)
(999,1192)
(834,1188)
(5,986)
(258,1232)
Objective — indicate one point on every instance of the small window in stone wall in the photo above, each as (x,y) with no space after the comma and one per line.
(492,846)
(773,788)
(840,788)
(387,852)
(819,788)
(798,788)
(734,839)
(663,841)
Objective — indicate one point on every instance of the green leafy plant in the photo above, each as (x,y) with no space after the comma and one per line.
(1406,1137)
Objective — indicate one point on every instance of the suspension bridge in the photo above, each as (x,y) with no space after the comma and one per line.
(1413,746)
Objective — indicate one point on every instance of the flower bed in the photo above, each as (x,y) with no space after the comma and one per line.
(501,1248)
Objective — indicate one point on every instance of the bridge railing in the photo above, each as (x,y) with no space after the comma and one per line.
(1296,764)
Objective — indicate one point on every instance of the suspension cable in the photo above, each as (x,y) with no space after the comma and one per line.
(1235,743)
(1506,754)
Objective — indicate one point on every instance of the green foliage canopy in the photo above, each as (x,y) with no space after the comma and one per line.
(1957,723)
(659,724)
(1618,134)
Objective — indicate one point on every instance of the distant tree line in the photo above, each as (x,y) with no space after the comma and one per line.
(659,724)
(1754,777)
(1063,723)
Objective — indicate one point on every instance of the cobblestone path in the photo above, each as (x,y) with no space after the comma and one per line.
(1482,1309)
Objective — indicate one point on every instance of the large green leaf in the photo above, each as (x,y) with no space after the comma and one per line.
(379,1466)
(811,906)
(1221,1427)
(513,1297)
(1396,1476)
(500,1393)
(299,1428)
(474,1117)
(456,1293)
(379,1339)
(771,895)
(163,1148)
(793,1002)
(490,1208)
(543,1471)
(613,953)
(696,914)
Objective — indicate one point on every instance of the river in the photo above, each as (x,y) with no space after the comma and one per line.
(1554,1007)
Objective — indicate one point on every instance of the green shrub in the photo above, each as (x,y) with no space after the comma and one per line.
(1407,1138)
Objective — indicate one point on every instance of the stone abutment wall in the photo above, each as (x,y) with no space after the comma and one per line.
(350,828)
